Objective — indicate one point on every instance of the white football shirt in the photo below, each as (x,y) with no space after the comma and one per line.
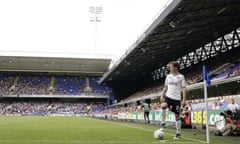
(174,84)
(233,107)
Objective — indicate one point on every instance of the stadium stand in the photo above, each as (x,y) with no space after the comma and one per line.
(96,88)
(196,104)
(214,66)
(43,107)
(69,85)
(184,33)
(39,84)
(32,84)
(6,81)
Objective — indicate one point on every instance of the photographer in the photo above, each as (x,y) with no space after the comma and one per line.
(230,123)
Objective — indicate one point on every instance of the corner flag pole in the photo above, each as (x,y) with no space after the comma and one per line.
(206,109)
(206,83)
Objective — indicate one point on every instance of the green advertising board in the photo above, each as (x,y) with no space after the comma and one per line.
(197,117)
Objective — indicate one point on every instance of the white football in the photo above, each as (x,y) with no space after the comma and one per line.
(158,134)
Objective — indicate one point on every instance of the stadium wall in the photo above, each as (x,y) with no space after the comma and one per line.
(197,117)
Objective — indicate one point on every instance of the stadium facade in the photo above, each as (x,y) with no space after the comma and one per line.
(38,85)
(190,32)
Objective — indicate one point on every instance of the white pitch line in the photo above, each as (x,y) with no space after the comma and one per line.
(196,140)
(69,141)
(191,139)
(83,141)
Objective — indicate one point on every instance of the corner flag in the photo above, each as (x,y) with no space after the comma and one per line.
(206,83)
(206,77)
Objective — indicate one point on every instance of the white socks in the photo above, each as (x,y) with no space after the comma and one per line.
(178,125)
(163,116)
(178,121)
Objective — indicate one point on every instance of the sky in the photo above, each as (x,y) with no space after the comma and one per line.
(64,26)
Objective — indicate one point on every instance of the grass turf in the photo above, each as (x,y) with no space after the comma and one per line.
(67,130)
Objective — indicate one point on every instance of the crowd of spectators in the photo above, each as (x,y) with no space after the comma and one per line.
(219,103)
(192,78)
(232,70)
(6,82)
(32,84)
(69,85)
(233,104)
(47,108)
(40,84)
(133,107)
(148,91)
(96,88)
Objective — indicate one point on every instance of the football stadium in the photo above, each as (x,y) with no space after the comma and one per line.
(57,98)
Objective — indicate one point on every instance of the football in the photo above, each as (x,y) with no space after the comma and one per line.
(158,134)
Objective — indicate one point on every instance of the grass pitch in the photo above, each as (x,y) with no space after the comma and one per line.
(67,130)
